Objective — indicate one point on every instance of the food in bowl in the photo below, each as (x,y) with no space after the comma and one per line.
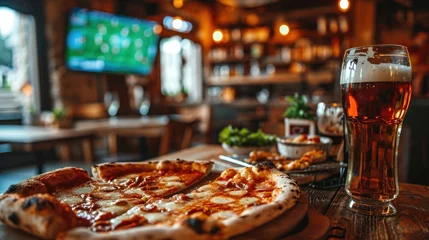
(243,141)
(304,138)
(295,147)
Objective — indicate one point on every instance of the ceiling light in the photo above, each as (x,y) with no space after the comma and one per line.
(344,5)
(177,23)
(178,3)
(217,35)
(284,29)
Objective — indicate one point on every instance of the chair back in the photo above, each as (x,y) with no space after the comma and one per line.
(88,111)
(177,135)
(202,113)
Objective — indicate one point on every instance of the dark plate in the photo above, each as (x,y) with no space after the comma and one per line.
(318,167)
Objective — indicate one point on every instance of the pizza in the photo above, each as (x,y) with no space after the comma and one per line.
(68,197)
(285,164)
(141,201)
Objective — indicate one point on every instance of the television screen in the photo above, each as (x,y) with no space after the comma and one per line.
(104,42)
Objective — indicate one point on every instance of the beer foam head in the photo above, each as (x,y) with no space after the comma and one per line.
(357,69)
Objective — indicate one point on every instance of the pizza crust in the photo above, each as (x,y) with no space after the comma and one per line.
(41,215)
(48,182)
(285,196)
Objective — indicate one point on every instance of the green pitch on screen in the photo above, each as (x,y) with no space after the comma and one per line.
(103,42)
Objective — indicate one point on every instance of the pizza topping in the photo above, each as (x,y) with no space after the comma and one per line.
(108,188)
(134,192)
(237,192)
(69,198)
(221,200)
(83,190)
(248,200)
(174,184)
(199,194)
(155,217)
(170,178)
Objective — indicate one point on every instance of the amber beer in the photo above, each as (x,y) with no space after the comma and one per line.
(375,112)
(375,91)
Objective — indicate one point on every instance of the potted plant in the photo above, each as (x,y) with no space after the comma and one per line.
(299,117)
(61,119)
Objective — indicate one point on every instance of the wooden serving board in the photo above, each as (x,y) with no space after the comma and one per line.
(281,225)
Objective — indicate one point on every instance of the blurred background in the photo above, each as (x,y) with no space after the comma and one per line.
(107,79)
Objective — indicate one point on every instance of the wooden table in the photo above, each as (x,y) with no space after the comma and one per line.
(410,222)
(36,139)
(147,126)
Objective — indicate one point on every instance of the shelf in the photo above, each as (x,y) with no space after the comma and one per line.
(234,60)
(284,78)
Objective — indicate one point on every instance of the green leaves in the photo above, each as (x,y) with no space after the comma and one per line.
(59,114)
(243,137)
(299,108)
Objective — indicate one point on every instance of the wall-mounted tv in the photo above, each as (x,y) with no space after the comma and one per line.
(103,42)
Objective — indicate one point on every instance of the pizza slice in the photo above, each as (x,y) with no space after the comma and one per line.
(236,202)
(62,199)
(152,179)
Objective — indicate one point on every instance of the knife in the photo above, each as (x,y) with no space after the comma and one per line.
(233,160)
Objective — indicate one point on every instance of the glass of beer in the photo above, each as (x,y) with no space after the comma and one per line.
(375,93)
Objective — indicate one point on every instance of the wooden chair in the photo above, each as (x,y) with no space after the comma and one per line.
(178,134)
(88,111)
(202,113)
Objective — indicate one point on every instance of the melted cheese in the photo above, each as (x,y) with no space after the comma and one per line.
(83,190)
(106,203)
(111,195)
(248,200)
(69,199)
(135,191)
(107,188)
(155,217)
(237,192)
(117,210)
(220,182)
(170,178)
(204,188)
(172,206)
(174,184)
(109,206)
(221,200)
(199,194)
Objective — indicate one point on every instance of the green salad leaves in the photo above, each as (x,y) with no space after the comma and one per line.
(245,138)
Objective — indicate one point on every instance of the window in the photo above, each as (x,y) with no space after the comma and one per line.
(181,68)
(18,64)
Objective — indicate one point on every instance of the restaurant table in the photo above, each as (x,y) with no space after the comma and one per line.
(145,126)
(36,139)
(410,222)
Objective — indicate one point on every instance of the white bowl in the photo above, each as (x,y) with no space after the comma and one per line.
(296,150)
(244,150)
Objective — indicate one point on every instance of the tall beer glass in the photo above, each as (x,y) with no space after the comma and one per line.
(375,92)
